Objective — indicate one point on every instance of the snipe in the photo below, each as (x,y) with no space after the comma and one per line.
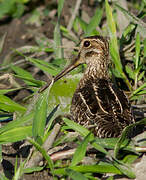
(97,103)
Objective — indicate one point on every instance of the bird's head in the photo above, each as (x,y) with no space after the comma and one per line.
(93,51)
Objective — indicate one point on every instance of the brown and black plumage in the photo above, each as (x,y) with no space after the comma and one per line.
(97,103)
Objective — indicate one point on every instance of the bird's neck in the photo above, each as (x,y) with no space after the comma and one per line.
(96,70)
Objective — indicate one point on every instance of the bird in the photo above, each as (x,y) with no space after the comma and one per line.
(98,103)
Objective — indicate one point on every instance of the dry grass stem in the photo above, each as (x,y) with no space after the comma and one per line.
(74,13)
(37,156)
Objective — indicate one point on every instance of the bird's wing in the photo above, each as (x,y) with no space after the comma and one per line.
(102,98)
(112,101)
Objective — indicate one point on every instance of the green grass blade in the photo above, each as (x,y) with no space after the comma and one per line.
(82,23)
(33,169)
(21,72)
(44,154)
(57,42)
(137,45)
(58,51)
(114,50)
(130,72)
(130,158)
(81,151)
(141,75)
(99,148)
(138,90)
(5,91)
(51,117)
(40,115)
(60,7)
(110,143)
(19,172)
(126,35)
(15,134)
(7,104)
(144,43)
(17,123)
(3,177)
(82,130)
(113,37)
(31,82)
(44,66)
(126,170)
(94,22)
(107,168)
(75,175)
(124,137)
(26,76)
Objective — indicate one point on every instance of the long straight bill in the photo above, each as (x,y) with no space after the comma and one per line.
(69,68)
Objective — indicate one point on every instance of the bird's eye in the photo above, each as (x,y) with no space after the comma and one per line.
(86,43)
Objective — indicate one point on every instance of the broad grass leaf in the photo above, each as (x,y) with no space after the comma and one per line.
(141,75)
(33,169)
(6,104)
(24,74)
(130,158)
(15,134)
(57,42)
(61,93)
(130,72)
(81,150)
(18,171)
(124,137)
(6,117)
(128,32)
(75,175)
(138,90)
(125,169)
(110,178)
(58,51)
(137,45)
(31,82)
(82,23)
(6,7)
(60,7)
(109,143)
(94,22)
(44,66)
(51,117)
(17,123)
(40,115)
(114,50)
(113,38)
(5,91)
(82,130)
(107,168)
